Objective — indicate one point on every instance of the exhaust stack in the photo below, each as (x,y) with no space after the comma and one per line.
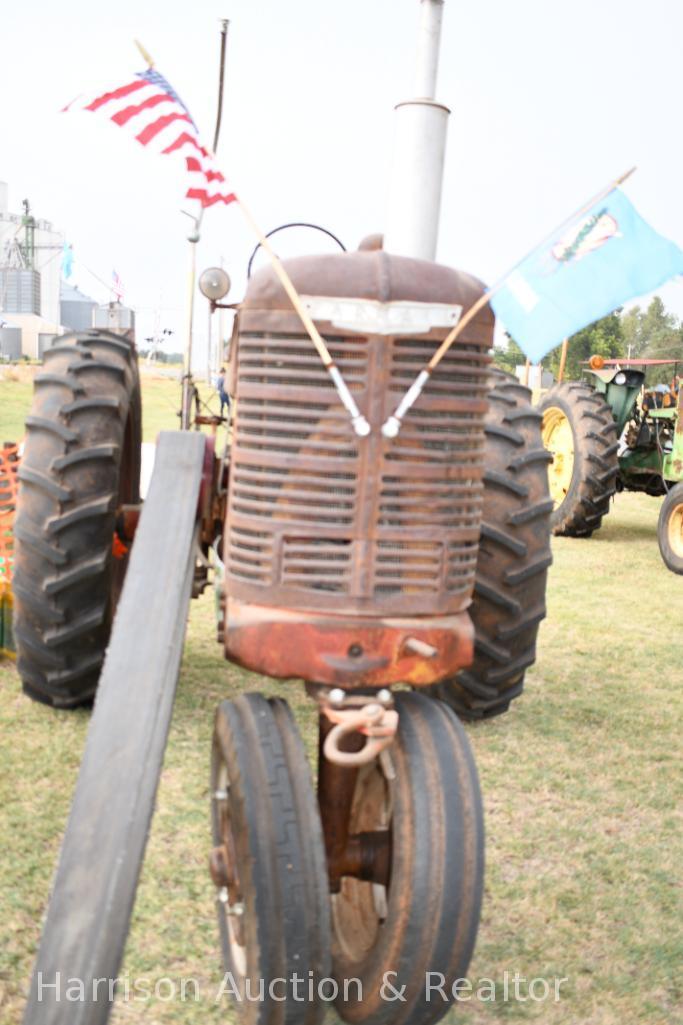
(419,151)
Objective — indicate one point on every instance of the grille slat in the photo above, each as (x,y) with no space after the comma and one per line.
(408,531)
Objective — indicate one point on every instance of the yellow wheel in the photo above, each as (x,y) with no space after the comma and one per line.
(580,433)
(670,529)
(558,439)
(675,531)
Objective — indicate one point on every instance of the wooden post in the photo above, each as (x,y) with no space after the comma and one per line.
(563,360)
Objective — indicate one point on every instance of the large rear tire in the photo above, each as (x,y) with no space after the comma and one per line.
(81,462)
(670,529)
(508,604)
(580,433)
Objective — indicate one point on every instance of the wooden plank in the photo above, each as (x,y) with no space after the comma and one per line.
(103,847)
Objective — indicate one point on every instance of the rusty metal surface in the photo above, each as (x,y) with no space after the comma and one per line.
(320,520)
(368,274)
(361,855)
(345,651)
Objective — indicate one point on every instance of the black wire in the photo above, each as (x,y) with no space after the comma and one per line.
(293,224)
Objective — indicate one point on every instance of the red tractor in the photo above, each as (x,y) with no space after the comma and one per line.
(401,578)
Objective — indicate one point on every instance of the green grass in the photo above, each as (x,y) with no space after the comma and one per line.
(160,406)
(581,782)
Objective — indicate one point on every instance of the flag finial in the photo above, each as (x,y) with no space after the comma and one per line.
(144,53)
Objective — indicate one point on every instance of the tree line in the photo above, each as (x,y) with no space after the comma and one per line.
(652,333)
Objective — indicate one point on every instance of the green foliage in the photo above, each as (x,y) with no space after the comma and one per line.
(604,338)
(508,357)
(653,334)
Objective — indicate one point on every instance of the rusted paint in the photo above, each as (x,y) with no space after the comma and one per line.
(363,855)
(336,786)
(343,650)
(321,520)
(211,420)
(127,519)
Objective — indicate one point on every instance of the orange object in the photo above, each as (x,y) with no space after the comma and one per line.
(118,549)
(9,484)
(596,362)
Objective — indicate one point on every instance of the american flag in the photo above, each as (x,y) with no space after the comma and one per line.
(117,286)
(150,109)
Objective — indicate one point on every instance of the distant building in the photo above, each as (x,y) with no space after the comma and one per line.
(37,334)
(10,338)
(76,308)
(537,377)
(30,262)
(37,304)
(115,317)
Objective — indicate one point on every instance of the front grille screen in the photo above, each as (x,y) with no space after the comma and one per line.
(320,519)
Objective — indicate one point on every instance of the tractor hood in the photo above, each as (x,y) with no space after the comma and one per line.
(620,388)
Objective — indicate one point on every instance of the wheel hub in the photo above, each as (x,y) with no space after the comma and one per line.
(558,439)
(223,870)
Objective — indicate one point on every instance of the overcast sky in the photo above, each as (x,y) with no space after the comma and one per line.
(550,101)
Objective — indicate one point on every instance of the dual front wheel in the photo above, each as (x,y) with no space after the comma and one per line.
(289,946)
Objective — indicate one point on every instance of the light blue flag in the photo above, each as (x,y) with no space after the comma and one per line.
(602,259)
(67,261)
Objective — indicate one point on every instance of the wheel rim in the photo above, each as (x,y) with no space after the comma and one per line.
(360,908)
(558,439)
(675,531)
(229,899)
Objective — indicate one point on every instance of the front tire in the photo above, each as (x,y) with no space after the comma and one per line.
(81,462)
(273,906)
(580,433)
(426,793)
(670,529)
(508,604)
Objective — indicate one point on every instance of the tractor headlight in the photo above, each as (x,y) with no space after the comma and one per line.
(214,284)
(620,378)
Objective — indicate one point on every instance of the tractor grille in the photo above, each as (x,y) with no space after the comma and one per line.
(322,520)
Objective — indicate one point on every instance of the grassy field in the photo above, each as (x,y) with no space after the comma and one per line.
(581,780)
(160,408)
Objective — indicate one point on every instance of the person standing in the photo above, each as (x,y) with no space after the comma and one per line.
(223,395)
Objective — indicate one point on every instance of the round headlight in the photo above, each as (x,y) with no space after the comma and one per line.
(214,283)
(620,378)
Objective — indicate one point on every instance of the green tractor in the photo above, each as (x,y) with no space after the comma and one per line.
(610,433)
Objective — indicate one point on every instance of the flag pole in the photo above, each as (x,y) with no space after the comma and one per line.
(193,238)
(563,361)
(360,424)
(392,425)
